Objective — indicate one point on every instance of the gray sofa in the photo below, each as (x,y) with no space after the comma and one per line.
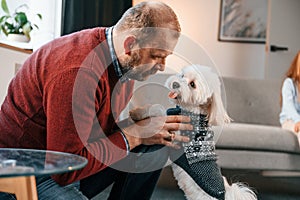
(255,141)
(254,148)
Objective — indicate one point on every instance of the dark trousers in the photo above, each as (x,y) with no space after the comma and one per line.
(133,178)
(126,185)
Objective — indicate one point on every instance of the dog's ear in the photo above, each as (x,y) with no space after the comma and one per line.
(218,115)
(212,86)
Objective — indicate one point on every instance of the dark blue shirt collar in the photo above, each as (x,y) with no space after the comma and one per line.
(113,54)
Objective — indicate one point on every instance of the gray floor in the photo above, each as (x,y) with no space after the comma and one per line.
(159,194)
(268,188)
(170,194)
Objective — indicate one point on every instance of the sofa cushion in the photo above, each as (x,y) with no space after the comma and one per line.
(276,163)
(253,101)
(240,136)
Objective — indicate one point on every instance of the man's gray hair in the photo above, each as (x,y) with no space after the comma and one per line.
(146,18)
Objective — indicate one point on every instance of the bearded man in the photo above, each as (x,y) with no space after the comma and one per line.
(69,93)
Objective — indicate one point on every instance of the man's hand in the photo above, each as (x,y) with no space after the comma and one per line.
(158,130)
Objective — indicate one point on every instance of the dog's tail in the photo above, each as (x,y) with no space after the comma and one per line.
(238,191)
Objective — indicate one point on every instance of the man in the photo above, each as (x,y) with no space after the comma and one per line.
(69,93)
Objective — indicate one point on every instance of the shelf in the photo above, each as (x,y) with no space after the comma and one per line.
(17,46)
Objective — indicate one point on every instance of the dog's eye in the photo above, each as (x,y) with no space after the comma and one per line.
(192,84)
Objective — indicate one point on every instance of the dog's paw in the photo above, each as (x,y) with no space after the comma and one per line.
(238,191)
(147,111)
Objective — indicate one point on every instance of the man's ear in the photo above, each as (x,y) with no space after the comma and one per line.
(129,43)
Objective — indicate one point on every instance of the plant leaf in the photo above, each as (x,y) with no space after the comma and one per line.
(3,29)
(40,16)
(4,6)
(3,18)
(36,26)
(21,18)
(26,29)
(10,28)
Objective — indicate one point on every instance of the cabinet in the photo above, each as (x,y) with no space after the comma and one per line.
(11,58)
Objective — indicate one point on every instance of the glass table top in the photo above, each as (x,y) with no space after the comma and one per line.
(27,162)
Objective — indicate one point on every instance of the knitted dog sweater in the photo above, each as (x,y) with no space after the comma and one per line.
(198,157)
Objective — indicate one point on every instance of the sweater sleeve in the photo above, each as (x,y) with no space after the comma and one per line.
(73,118)
(289,110)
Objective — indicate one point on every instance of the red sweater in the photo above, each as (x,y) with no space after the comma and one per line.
(66,98)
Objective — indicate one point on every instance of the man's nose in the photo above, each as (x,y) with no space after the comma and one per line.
(162,64)
(175,85)
(160,67)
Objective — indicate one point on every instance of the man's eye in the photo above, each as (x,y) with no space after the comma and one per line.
(192,84)
(158,57)
(155,56)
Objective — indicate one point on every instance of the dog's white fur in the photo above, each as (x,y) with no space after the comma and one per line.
(198,89)
(204,96)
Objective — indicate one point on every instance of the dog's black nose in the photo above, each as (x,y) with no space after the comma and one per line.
(175,85)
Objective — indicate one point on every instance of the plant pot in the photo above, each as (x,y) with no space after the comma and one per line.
(17,37)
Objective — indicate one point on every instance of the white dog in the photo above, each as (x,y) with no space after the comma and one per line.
(197,93)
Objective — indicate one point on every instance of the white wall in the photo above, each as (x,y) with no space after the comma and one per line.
(199,21)
(10,60)
(50,26)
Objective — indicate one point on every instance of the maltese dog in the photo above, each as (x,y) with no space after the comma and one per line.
(196,92)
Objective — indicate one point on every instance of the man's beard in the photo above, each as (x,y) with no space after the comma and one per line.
(130,63)
(134,60)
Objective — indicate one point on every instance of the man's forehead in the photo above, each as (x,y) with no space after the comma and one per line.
(160,51)
(163,45)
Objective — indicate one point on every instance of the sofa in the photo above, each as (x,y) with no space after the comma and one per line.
(254,148)
(255,140)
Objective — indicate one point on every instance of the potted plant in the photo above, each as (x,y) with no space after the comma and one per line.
(16,25)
